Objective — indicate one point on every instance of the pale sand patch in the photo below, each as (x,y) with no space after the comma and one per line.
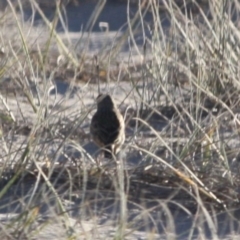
(74,106)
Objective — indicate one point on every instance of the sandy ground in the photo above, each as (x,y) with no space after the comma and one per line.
(100,220)
(95,215)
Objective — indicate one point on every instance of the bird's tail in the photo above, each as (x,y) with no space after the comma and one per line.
(108,152)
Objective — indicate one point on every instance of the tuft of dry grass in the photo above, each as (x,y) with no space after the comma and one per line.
(179,95)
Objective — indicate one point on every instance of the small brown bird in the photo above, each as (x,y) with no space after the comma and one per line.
(107,126)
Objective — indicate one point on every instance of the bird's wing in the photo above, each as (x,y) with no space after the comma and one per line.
(106,126)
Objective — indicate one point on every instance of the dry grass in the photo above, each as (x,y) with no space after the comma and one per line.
(179,94)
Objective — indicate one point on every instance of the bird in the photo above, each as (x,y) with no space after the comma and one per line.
(107,126)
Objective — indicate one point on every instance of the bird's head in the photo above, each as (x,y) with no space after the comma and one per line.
(105,101)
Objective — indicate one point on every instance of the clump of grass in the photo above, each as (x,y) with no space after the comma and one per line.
(184,95)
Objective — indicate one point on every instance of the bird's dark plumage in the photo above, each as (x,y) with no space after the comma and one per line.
(107,126)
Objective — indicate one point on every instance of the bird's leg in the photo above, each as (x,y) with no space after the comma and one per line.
(98,162)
